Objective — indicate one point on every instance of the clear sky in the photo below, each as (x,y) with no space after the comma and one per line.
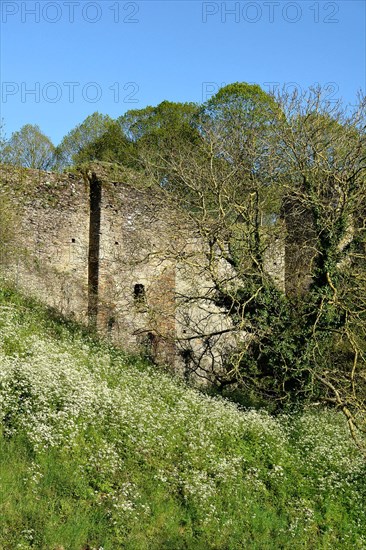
(62,60)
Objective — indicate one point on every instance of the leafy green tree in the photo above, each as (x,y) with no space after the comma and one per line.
(158,131)
(29,147)
(70,150)
(166,119)
(240,115)
(111,146)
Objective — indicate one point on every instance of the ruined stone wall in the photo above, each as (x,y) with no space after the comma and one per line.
(93,245)
(50,249)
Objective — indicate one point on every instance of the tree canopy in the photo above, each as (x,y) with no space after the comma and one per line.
(71,149)
(29,147)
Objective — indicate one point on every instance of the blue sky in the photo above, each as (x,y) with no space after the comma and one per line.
(62,60)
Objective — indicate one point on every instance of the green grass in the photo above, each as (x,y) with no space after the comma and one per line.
(99,450)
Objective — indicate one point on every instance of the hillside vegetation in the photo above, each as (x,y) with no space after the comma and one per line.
(100,451)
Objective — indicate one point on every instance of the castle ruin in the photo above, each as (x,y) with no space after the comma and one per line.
(93,244)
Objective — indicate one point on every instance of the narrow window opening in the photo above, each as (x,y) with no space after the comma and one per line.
(139,293)
(73,240)
(111,323)
(116,242)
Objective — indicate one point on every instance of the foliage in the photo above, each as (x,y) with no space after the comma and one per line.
(70,150)
(157,132)
(99,450)
(110,146)
(30,148)
(151,124)
(240,115)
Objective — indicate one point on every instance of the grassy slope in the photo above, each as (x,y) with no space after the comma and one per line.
(100,451)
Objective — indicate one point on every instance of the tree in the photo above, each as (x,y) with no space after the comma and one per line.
(30,148)
(167,118)
(70,150)
(111,146)
(276,181)
(239,115)
(157,131)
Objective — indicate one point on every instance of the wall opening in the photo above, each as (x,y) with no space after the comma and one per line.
(139,293)
(110,324)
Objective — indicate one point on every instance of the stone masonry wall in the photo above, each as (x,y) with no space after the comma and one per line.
(91,245)
(49,255)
